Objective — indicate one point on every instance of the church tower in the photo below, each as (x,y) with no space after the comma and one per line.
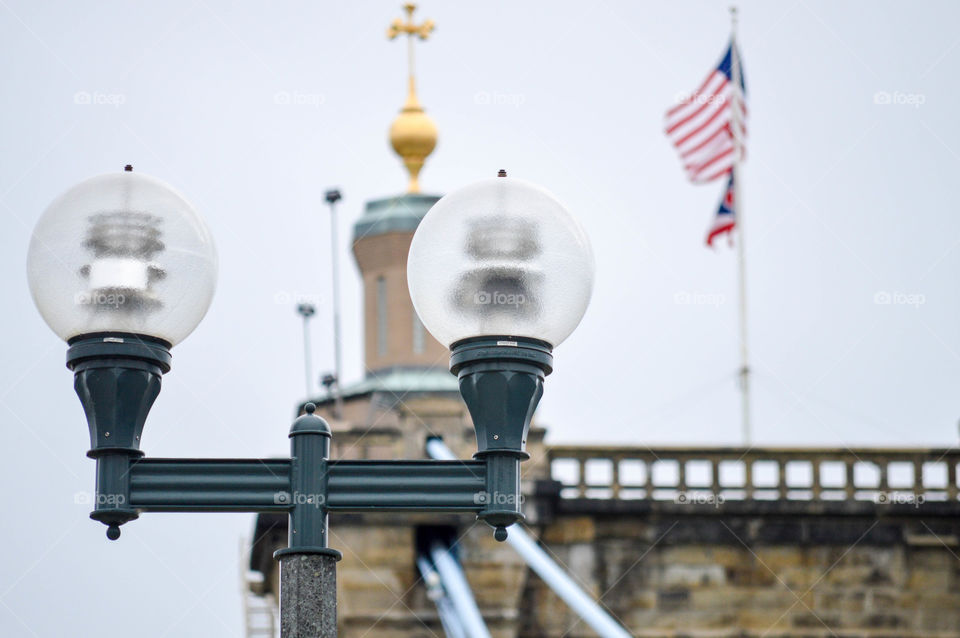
(394,338)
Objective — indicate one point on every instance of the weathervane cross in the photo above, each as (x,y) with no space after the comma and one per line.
(408,28)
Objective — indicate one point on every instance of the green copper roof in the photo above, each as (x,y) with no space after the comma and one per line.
(393,214)
(400,381)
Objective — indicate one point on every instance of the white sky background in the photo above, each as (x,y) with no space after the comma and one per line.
(844,199)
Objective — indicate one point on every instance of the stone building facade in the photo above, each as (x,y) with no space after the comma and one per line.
(783,570)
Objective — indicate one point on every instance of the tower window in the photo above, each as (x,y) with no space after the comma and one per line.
(381,317)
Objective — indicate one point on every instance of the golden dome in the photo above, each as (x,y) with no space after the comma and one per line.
(413,136)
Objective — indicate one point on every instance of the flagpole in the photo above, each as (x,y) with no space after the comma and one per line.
(738,218)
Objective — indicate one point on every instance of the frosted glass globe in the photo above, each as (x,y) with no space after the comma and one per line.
(501,257)
(122,252)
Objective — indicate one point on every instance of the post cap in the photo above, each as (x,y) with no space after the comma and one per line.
(310,423)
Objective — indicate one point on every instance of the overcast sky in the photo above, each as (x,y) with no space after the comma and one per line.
(849,193)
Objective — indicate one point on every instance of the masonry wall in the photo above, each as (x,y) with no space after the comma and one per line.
(380,592)
(673,573)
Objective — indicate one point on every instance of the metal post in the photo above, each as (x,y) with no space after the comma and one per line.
(308,568)
(333,196)
(741,245)
(308,596)
(306,311)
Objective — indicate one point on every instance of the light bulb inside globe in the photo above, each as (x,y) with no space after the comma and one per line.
(122,253)
(500,257)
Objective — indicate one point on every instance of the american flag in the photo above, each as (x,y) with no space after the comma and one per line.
(702,125)
(725,219)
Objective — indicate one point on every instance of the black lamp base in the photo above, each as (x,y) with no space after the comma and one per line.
(501,381)
(117,377)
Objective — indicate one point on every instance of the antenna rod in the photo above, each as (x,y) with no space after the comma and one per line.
(306,311)
(333,196)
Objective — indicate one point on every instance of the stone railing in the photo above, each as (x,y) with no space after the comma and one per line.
(894,475)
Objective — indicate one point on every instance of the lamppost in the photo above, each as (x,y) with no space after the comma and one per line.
(307,310)
(333,196)
(123,268)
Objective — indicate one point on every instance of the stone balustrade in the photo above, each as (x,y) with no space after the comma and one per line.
(883,475)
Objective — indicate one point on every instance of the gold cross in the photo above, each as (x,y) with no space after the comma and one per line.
(408,28)
(398,26)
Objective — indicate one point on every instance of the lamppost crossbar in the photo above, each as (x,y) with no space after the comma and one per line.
(264,485)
